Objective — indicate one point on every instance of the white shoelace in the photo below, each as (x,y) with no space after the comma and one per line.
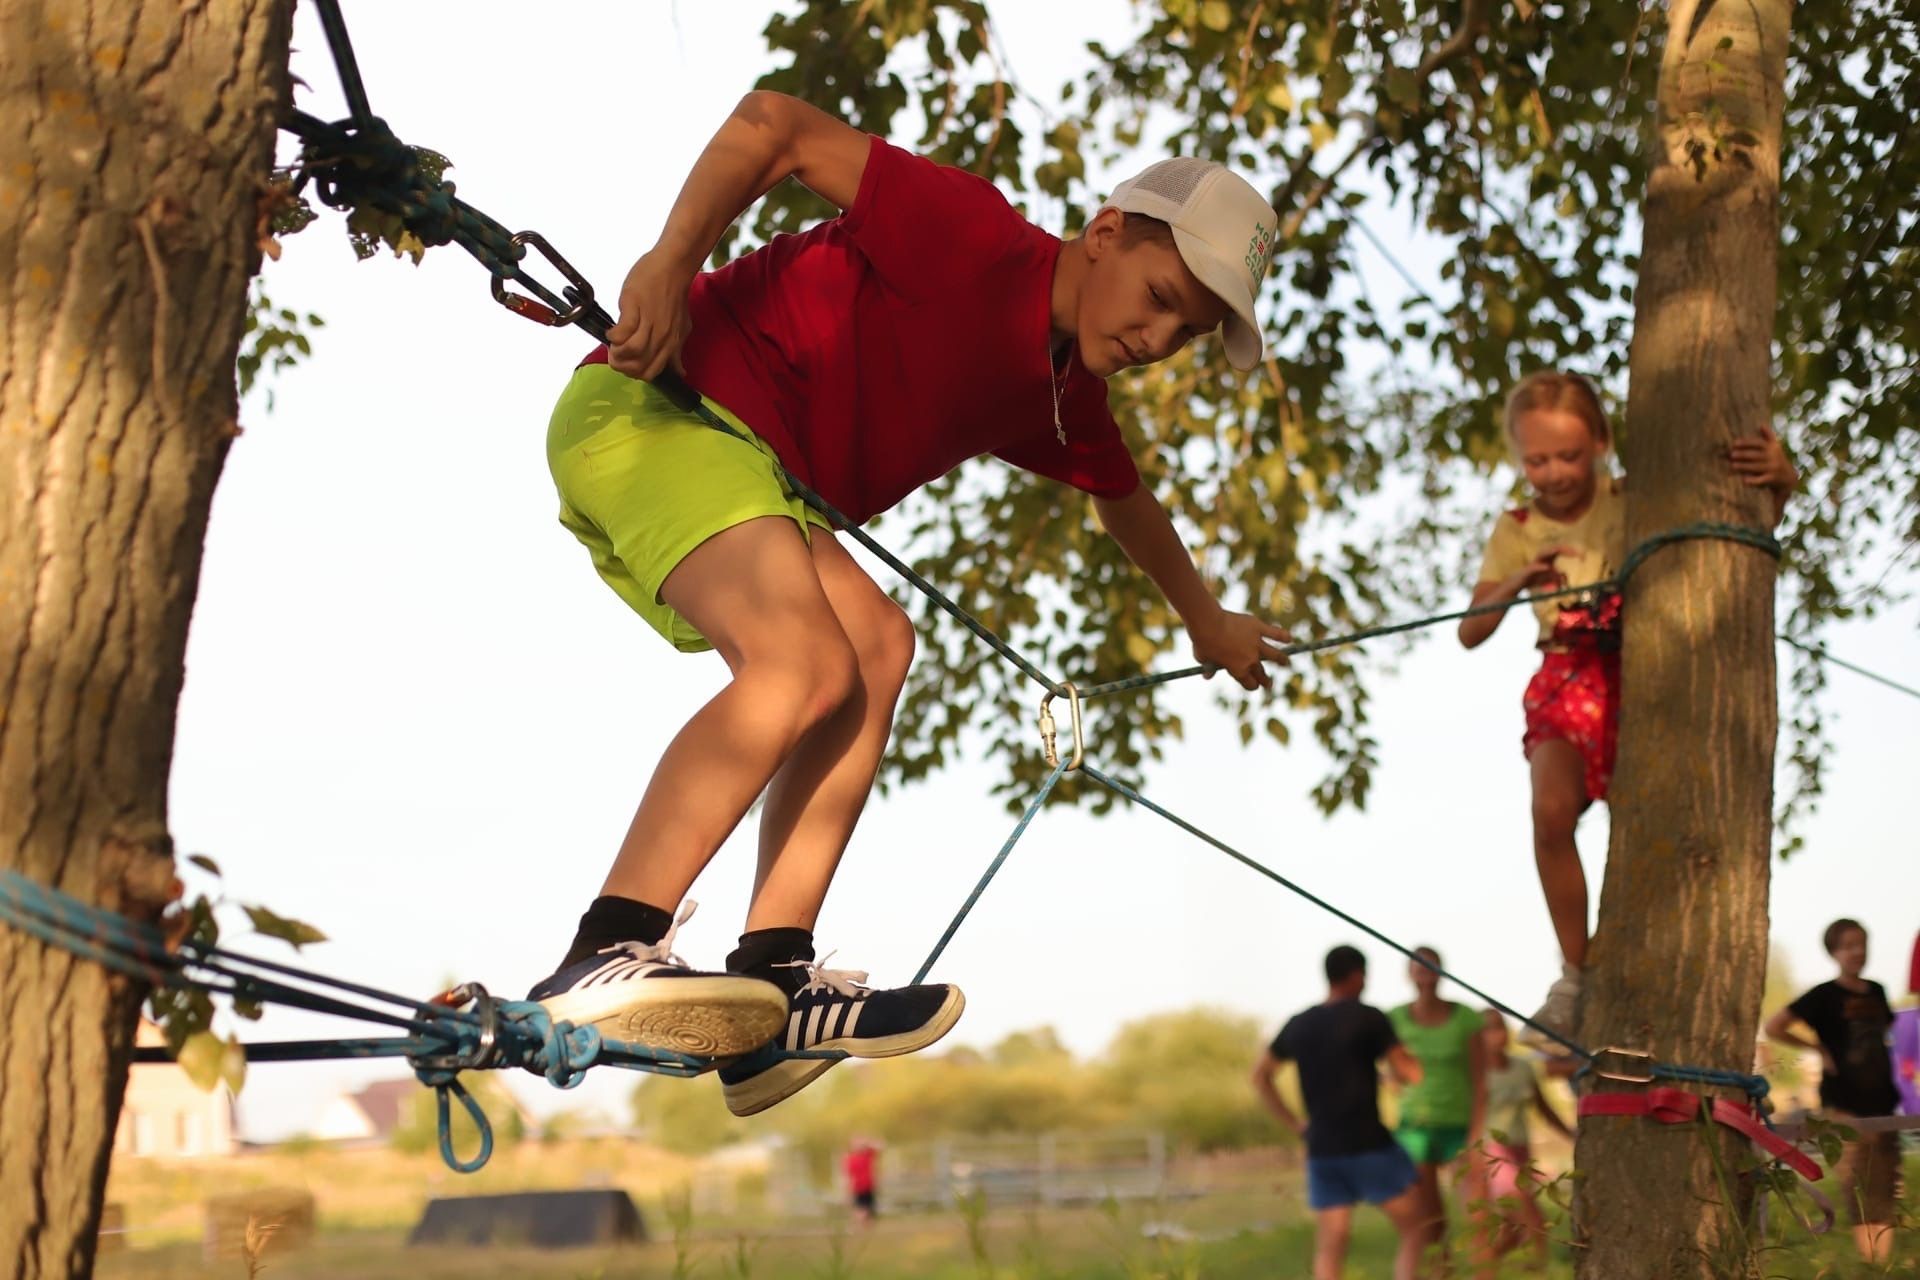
(851,983)
(660,952)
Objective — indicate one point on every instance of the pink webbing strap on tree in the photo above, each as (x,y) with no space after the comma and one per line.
(1666,1105)
(1677,1106)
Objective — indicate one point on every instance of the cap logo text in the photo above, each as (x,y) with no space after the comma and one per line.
(1259,251)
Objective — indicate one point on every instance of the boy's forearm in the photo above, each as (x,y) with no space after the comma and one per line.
(747,157)
(1140,525)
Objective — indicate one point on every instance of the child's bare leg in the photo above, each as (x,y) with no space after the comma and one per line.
(1433,1204)
(812,805)
(1331,1230)
(1874,1241)
(1559,796)
(753,592)
(1532,1227)
(818,794)
(1408,1213)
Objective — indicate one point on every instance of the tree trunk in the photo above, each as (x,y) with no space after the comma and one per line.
(135,136)
(1679,959)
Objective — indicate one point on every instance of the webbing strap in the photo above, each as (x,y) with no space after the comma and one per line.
(1665,1105)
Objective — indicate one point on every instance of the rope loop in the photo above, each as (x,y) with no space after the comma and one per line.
(444,1114)
(1746,535)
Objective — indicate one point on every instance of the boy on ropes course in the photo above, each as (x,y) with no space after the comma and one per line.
(928,324)
(1571,534)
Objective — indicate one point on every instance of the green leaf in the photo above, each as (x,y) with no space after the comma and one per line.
(1215,15)
(205,863)
(233,1065)
(1831,1146)
(203,1058)
(294,932)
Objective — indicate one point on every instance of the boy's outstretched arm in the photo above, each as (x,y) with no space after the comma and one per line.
(768,137)
(1238,643)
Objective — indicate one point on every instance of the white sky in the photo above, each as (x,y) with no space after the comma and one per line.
(415,717)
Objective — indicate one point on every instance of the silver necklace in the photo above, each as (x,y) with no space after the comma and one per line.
(1053,385)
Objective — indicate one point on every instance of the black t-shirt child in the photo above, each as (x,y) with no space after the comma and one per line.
(1852,1026)
(1337,1046)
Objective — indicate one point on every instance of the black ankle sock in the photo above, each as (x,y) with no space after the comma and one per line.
(610,920)
(767,953)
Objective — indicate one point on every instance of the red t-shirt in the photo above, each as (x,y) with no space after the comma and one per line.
(880,350)
(859,1162)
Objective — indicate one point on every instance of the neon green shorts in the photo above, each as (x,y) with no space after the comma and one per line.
(1432,1144)
(642,483)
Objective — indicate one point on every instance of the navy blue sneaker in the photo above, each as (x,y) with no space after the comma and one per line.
(643,994)
(837,1010)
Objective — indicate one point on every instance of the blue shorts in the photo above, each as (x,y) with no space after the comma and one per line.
(1375,1176)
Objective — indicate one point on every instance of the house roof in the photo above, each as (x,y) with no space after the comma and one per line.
(383,1102)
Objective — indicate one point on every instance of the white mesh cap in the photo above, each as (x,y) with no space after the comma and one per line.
(1224,230)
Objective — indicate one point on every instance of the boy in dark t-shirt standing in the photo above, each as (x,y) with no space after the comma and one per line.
(1850,1017)
(1351,1156)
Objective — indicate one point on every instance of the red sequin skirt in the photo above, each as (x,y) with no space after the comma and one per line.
(1575,697)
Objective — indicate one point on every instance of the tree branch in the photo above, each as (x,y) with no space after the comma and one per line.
(1473,21)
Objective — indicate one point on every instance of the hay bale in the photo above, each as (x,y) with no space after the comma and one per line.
(532,1219)
(280,1218)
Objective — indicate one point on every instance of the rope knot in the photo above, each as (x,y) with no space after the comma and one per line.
(365,166)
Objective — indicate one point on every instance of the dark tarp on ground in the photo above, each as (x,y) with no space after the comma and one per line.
(539,1219)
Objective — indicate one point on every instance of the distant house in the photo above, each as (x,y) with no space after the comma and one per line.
(369,1116)
(166,1114)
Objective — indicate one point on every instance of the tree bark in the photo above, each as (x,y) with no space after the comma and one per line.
(135,138)
(1679,959)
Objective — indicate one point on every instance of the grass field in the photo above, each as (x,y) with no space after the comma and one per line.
(1249,1224)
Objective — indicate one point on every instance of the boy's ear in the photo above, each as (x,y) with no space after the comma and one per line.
(1103,233)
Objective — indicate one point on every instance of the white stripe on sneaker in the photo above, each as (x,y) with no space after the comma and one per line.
(853,1017)
(617,972)
(813,1035)
(793,1032)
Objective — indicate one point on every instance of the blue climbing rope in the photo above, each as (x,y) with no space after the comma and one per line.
(1710,529)
(993,869)
(1820,653)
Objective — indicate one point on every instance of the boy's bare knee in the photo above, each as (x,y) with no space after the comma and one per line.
(833,676)
(805,679)
(887,651)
